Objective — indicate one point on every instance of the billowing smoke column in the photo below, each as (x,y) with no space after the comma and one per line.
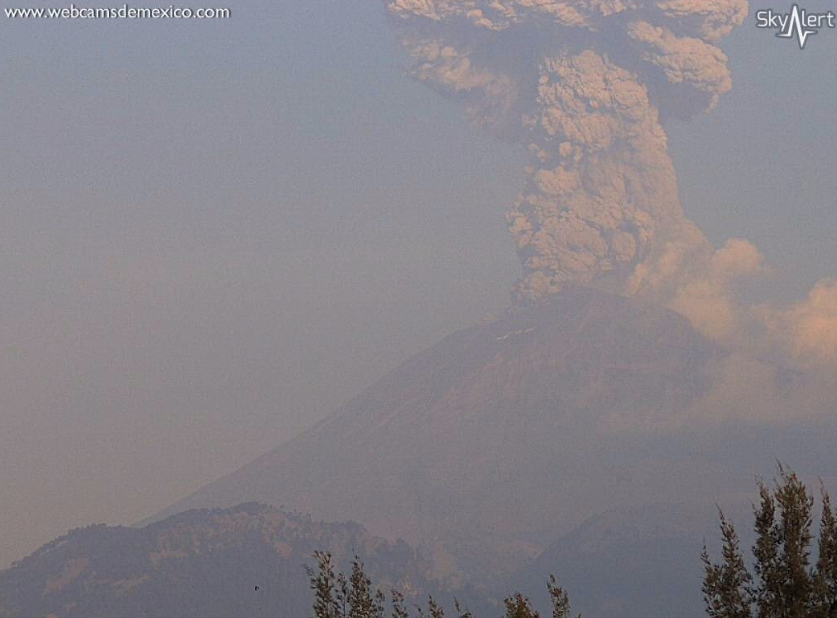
(585,85)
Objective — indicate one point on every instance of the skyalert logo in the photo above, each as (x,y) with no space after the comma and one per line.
(798,24)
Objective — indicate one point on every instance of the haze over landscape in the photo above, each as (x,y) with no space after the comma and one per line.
(263,260)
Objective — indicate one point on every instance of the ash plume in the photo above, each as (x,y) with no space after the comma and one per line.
(585,86)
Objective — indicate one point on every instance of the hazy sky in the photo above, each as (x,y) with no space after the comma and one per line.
(215,232)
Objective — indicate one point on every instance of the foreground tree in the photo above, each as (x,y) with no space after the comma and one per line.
(338,596)
(324,585)
(560,600)
(518,606)
(784,584)
(726,585)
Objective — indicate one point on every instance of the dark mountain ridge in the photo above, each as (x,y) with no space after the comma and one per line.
(204,563)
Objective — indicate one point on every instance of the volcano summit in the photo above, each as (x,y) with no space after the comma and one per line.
(502,436)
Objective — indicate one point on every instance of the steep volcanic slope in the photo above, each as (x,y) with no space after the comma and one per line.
(203,564)
(502,436)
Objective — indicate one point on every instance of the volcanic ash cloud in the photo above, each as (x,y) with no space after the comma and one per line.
(585,85)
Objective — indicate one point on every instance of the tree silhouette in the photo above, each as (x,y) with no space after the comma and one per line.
(338,596)
(784,585)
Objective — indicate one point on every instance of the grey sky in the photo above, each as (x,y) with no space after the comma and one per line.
(215,232)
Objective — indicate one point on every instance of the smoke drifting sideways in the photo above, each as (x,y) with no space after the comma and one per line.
(585,85)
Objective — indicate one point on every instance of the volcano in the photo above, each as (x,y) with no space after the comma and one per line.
(503,436)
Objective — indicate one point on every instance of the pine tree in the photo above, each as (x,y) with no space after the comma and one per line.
(725,586)
(518,606)
(767,595)
(785,585)
(825,579)
(338,596)
(363,601)
(560,600)
(434,609)
(462,613)
(342,595)
(324,585)
(783,549)
(399,610)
